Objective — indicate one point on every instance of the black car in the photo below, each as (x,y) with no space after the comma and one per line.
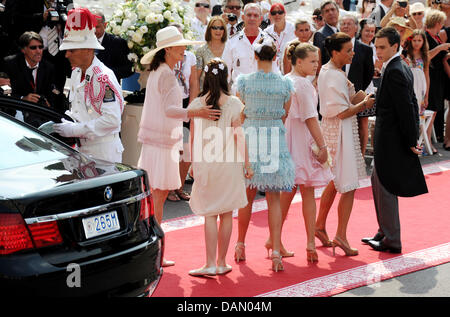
(71,225)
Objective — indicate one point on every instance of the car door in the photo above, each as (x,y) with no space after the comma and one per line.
(36,116)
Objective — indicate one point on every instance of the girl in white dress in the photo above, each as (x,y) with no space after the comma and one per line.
(219,165)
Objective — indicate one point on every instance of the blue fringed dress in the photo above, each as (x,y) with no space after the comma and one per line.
(264,95)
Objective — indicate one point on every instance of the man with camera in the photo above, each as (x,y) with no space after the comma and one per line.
(232,16)
(31,77)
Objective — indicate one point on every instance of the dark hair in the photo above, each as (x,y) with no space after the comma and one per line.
(391,34)
(208,29)
(267,52)
(296,50)
(158,59)
(423,50)
(363,23)
(25,39)
(336,41)
(323,4)
(215,82)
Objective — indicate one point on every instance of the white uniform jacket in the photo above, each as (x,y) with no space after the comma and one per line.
(239,56)
(96,107)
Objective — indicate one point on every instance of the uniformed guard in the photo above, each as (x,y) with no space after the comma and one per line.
(239,53)
(95,95)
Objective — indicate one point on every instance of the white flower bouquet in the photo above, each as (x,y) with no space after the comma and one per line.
(137,21)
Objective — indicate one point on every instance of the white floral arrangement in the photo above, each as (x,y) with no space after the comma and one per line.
(137,21)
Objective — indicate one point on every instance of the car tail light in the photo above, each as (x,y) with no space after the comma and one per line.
(45,234)
(147,203)
(14,235)
(146,208)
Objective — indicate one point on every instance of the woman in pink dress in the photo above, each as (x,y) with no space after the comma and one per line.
(161,128)
(302,132)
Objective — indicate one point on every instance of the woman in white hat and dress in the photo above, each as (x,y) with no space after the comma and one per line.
(161,128)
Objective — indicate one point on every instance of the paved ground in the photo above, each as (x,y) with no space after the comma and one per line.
(432,282)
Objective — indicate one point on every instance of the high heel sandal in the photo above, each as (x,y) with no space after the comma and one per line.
(311,256)
(284,253)
(239,252)
(323,237)
(277,264)
(344,246)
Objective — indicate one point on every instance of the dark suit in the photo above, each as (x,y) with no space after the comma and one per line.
(22,82)
(397,169)
(115,56)
(319,41)
(362,68)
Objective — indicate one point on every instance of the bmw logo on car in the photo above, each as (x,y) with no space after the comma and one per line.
(108,193)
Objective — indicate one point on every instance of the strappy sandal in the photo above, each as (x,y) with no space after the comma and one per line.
(172,196)
(182,194)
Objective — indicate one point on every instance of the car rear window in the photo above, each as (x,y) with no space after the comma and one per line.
(21,146)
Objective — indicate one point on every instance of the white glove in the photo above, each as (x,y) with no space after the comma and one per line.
(66,128)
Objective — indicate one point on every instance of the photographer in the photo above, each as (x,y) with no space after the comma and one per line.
(400,8)
(232,16)
(31,77)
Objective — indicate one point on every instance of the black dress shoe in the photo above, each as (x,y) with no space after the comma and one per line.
(377,237)
(382,247)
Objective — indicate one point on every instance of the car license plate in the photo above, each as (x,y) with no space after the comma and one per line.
(101,224)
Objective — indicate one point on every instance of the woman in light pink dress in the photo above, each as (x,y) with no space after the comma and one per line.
(161,128)
(302,132)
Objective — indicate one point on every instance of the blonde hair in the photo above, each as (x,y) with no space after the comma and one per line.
(434,17)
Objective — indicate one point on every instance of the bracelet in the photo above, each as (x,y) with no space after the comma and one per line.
(322,147)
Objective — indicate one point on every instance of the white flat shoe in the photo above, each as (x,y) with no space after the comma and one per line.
(222,270)
(204,271)
(167,263)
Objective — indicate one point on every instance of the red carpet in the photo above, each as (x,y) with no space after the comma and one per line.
(425,236)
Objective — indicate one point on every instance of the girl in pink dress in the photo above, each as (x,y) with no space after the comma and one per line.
(303,133)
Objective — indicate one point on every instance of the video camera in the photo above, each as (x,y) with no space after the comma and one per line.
(59,14)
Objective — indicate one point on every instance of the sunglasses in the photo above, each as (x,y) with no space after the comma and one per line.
(217,28)
(204,5)
(417,13)
(317,17)
(33,47)
(234,7)
(277,12)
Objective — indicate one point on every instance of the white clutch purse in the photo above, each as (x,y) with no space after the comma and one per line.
(329,162)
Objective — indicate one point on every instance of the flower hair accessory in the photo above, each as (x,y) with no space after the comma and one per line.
(257,47)
(213,69)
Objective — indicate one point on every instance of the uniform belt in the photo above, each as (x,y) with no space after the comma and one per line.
(98,140)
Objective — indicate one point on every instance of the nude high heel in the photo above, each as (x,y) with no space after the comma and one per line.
(284,253)
(323,237)
(239,252)
(337,242)
(311,256)
(277,264)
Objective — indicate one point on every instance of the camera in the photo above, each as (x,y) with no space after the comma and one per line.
(231,17)
(42,101)
(59,14)
(403,4)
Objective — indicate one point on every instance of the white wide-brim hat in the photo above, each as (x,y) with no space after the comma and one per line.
(80,31)
(167,37)
(416,7)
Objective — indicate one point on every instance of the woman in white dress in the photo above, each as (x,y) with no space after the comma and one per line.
(340,130)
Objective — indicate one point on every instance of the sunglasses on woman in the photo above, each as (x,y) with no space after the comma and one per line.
(233,7)
(277,12)
(217,28)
